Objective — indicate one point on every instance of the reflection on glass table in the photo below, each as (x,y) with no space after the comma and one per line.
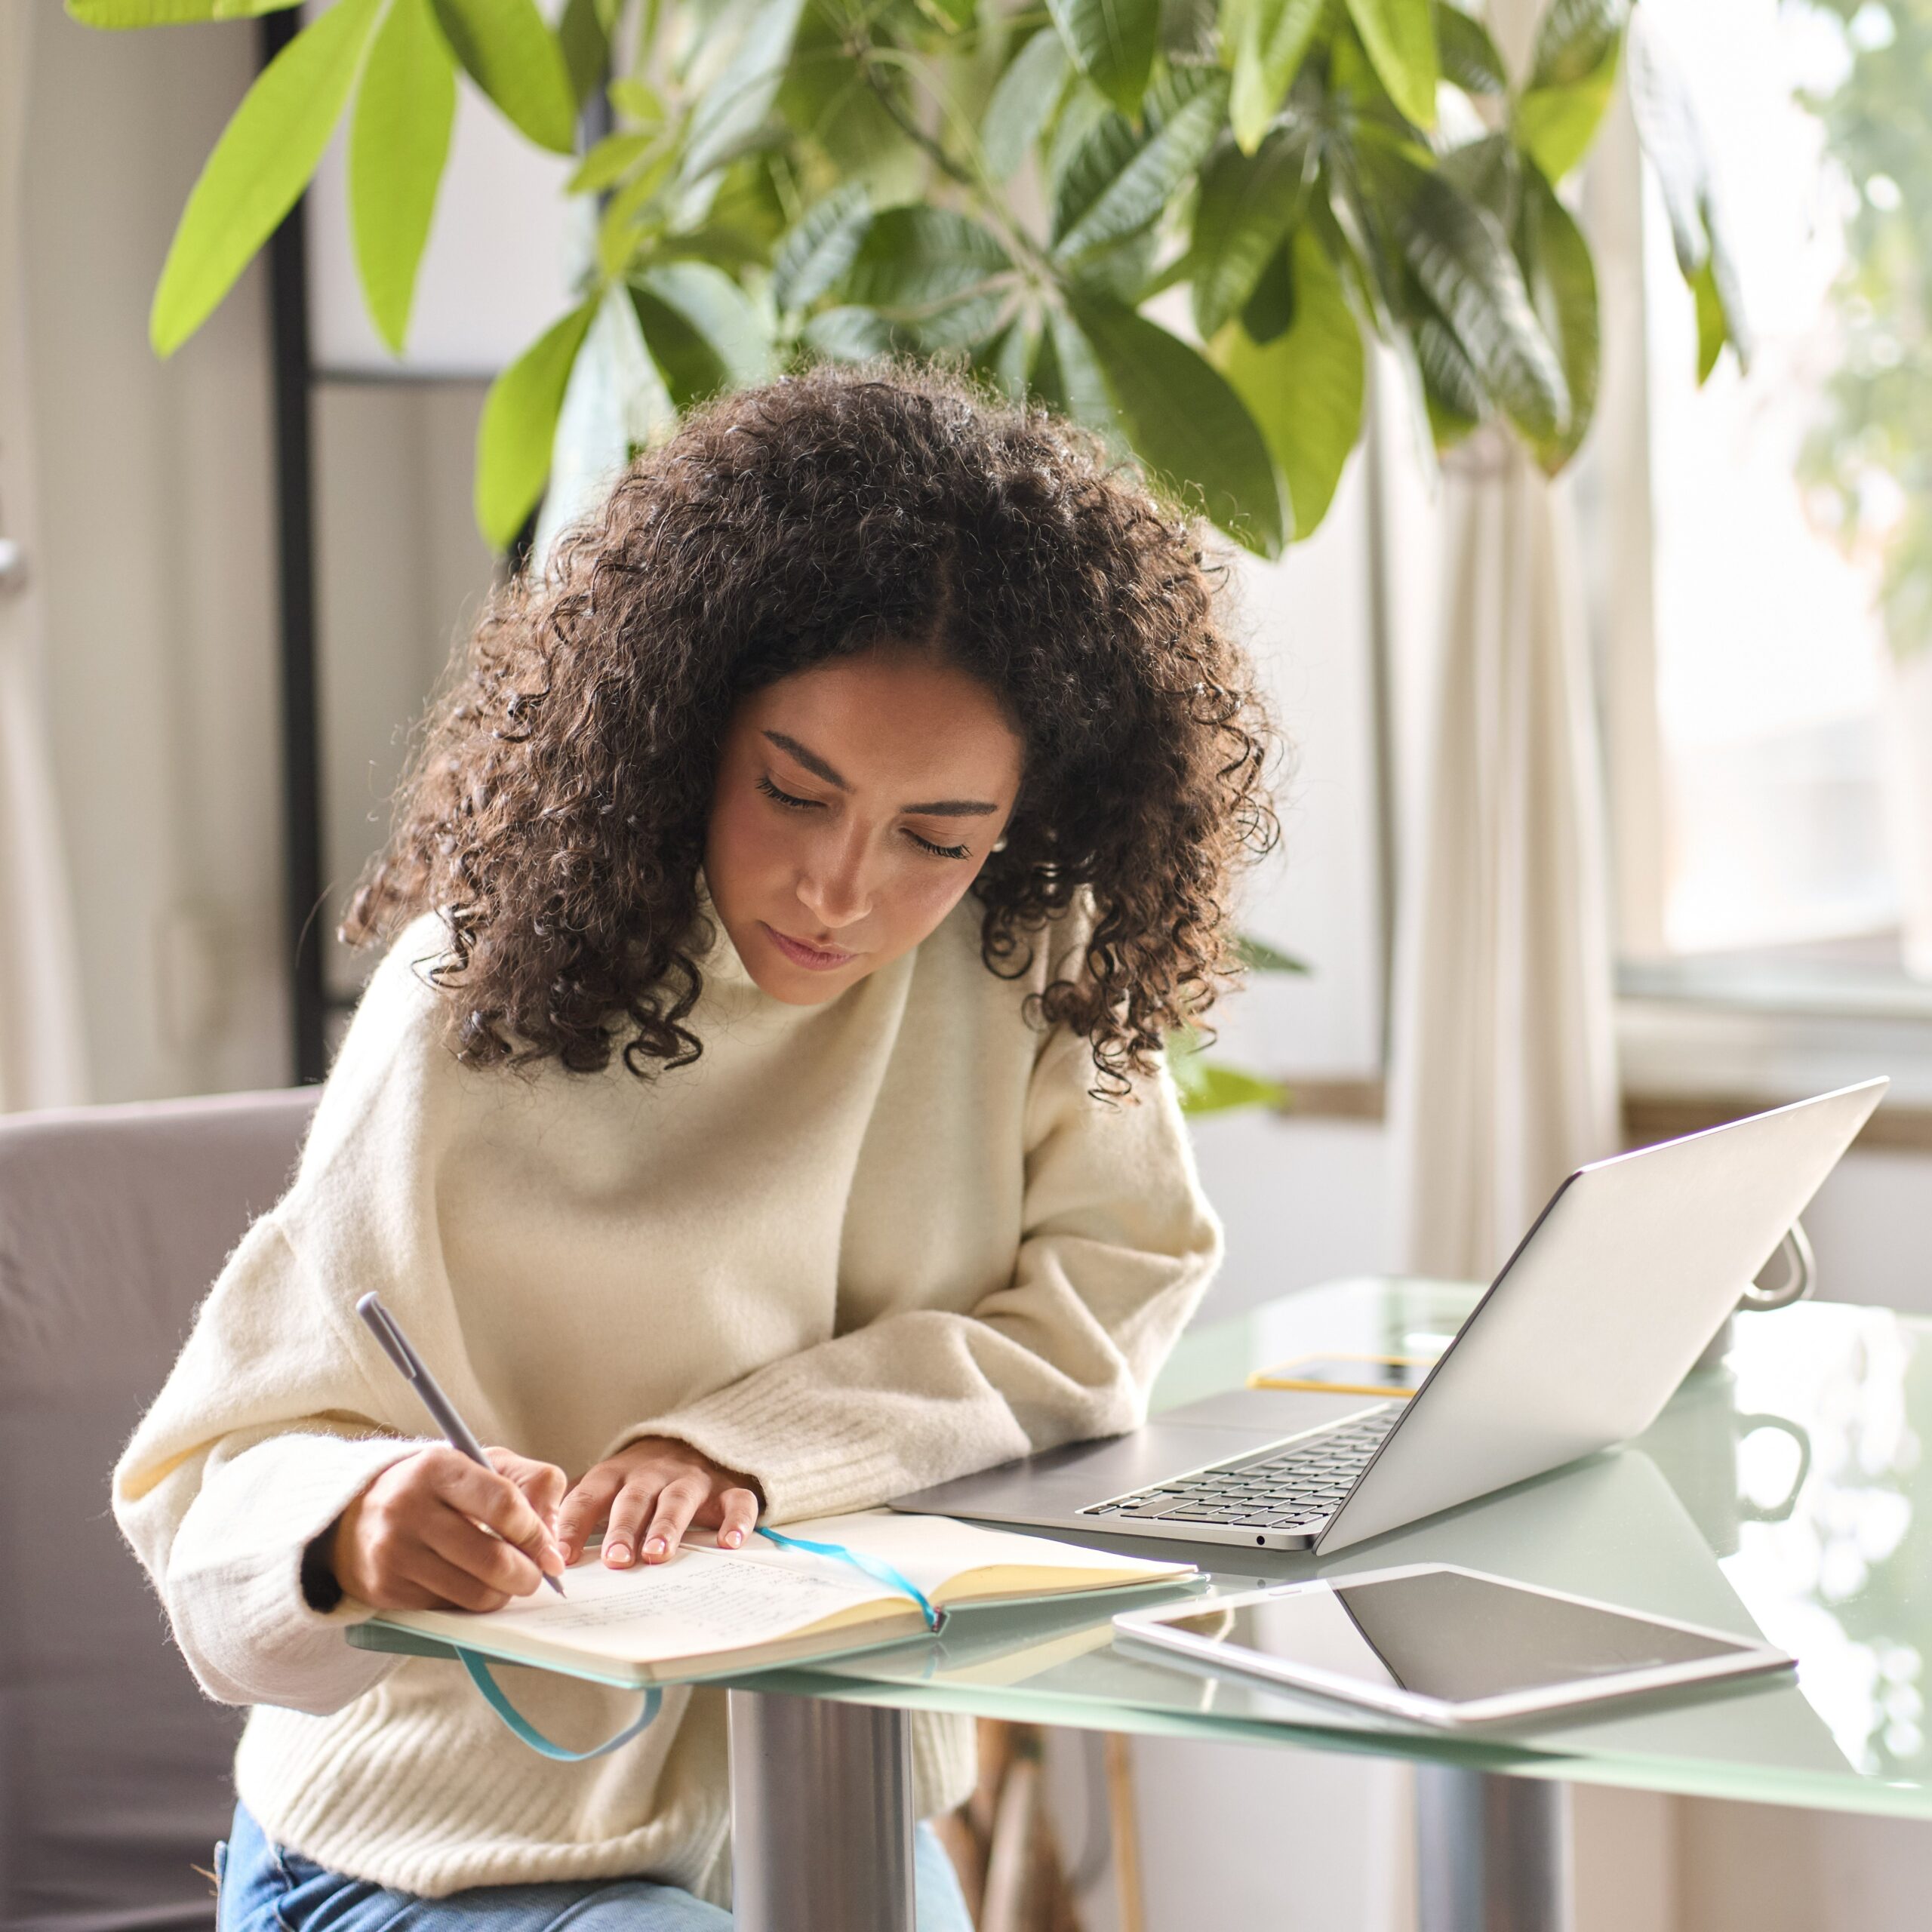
(1704,1518)
(1443,1645)
(1778,1497)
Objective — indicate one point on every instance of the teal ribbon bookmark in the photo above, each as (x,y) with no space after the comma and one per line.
(493,1695)
(879,1572)
(481,1675)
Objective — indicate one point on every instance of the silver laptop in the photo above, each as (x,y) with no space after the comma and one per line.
(1579,1343)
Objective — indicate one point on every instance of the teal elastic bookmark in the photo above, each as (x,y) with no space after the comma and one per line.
(480,1675)
(493,1695)
(880,1573)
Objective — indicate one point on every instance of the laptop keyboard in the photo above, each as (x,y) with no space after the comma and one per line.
(1297,1487)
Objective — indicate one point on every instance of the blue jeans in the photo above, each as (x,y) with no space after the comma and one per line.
(267,1888)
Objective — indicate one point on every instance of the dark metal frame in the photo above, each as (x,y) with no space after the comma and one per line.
(303,892)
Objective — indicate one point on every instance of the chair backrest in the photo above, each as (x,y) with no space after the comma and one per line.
(114,1769)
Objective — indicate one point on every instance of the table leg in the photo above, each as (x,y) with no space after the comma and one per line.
(821,1816)
(1492,1853)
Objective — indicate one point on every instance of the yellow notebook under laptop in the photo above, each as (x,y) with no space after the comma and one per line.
(712,1612)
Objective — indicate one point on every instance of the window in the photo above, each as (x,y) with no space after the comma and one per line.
(1793,737)
(1772,783)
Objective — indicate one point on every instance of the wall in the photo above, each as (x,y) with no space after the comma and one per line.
(156,549)
(158,563)
(401,572)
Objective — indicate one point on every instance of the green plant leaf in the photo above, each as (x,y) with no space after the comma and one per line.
(1453,393)
(1082,108)
(920,265)
(1108,146)
(1067,379)
(1271,38)
(702,331)
(519,423)
(634,212)
(1459,253)
(1183,121)
(1306,388)
(1574,38)
(1258,956)
(1207,1087)
(821,248)
(585,42)
(1124,270)
(509,51)
(1022,103)
(848,334)
(1470,57)
(1359,238)
(638,100)
(1112,43)
(1673,141)
(610,161)
(1006,359)
(1562,283)
(1269,310)
(1246,205)
(1555,124)
(398,141)
(1185,422)
(118,13)
(734,106)
(839,102)
(614,404)
(1189,34)
(1399,38)
(262,162)
(1713,329)
(1489,170)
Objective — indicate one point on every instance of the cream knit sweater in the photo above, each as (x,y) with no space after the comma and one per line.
(855,1249)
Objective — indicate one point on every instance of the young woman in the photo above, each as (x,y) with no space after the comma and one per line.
(759,1111)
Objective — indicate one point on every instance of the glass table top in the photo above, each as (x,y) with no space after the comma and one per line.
(1780,1494)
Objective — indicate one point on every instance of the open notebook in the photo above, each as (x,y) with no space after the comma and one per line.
(709,1611)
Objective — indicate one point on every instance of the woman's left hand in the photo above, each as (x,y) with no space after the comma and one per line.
(653,1491)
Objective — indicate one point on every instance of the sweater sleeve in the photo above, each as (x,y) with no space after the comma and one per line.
(261,1437)
(280,1409)
(1118,1245)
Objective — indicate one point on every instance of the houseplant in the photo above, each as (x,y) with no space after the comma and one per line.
(1003,182)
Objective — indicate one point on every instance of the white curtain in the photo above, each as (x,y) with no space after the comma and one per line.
(40,1059)
(1504,1073)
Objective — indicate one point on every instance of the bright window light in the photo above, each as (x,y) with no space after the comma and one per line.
(1796,742)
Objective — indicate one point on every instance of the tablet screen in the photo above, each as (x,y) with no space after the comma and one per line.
(1442,1634)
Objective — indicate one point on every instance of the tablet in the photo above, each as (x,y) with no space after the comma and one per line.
(1445,1645)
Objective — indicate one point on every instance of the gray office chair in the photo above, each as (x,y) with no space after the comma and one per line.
(114,1769)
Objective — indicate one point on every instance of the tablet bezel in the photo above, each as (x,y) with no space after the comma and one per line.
(1156,1627)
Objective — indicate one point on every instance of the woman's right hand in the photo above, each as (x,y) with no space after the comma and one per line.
(412,1540)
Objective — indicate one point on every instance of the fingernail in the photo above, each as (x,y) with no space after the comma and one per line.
(656,1546)
(733,1538)
(617,1552)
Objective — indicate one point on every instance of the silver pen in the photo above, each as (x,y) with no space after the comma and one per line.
(396,1346)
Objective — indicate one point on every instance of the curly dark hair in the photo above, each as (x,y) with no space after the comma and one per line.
(554,810)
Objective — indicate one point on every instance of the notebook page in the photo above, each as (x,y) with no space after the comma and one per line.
(702,1600)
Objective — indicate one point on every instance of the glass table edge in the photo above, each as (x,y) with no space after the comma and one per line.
(1682,1779)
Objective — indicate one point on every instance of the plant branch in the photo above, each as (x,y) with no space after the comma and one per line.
(864,54)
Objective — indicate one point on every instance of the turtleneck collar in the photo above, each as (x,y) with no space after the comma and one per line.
(718,961)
